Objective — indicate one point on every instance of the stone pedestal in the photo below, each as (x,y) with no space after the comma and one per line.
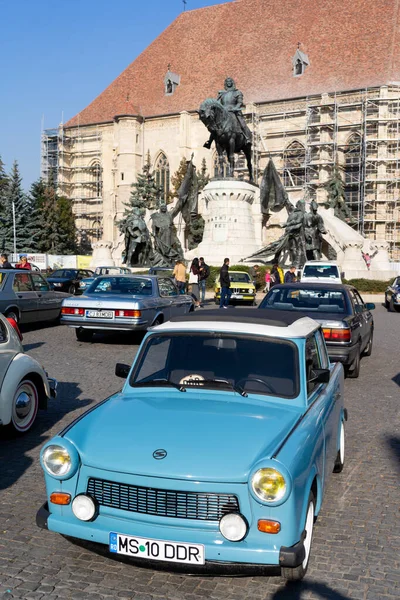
(231,228)
(102,254)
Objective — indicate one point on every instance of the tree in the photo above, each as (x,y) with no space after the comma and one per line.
(176,179)
(203,178)
(145,192)
(4,182)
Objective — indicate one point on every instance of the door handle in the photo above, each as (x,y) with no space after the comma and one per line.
(39,295)
(337,396)
(20,296)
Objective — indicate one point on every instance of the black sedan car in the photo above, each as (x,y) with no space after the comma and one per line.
(67,280)
(392,296)
(346,320)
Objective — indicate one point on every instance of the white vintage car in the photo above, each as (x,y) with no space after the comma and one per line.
(24,385)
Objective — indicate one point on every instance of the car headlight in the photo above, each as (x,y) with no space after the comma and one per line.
(82,284)
(57,460)
(269,485)
(84,507)
(233,527)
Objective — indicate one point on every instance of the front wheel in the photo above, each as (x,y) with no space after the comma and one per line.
(297,573)
(368,347)
(25,405)
(83,335)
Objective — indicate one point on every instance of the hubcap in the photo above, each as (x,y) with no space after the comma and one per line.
(309,531)
(23,405)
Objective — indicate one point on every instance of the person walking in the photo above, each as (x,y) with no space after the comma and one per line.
(267,281)
(290,276)
(179,274)
(194,280)
(204,272)
(225,283)
(23,263)
(4,262)
(275,275)
(254,274)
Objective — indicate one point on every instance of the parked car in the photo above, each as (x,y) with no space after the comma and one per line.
(220,446)
(27,297)
(346,320)
(392,296)
(67,280)
(86,281)
(25,386)
(242,288)
(124,302)
(319,271)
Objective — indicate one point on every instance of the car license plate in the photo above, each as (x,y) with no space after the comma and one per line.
(237,296)
(157,549)
(100,314)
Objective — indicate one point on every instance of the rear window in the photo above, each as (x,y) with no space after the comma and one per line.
(137,286)
(311,300)
(258,365)
(321,271)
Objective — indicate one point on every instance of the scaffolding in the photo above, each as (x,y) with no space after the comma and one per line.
(359,134)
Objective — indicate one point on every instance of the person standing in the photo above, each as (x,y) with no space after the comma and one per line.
(194,280)
(4,262)
(180,276)
(23,263)
(275,275)
(204,272)
(290,276)
(267,281)
(225,283)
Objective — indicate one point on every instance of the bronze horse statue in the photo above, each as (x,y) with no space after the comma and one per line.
(227,133)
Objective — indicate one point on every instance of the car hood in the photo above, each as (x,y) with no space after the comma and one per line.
(208,435)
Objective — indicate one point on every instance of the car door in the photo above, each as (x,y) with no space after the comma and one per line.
(49,303)
(358,323)
(180,302)
(25,295)
(368,320)
(166,299)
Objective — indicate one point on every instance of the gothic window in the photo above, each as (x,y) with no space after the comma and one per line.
(294,172)
(353,165)
(162,175)
(96,175)
(96,230)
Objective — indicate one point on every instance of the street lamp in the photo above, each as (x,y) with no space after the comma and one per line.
(14,231)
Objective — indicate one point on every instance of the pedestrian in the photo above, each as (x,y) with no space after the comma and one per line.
(267,281)
(194,280)
(4,262)
(290,276)
(179,274)
(254,274)
(23,263)
(225,284)
(275,275)
(367,259)
(204,272)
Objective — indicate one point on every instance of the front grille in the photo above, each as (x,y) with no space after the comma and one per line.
(241,291)
(162,503)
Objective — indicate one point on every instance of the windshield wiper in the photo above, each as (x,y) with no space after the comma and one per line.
(160,382)
(234,387)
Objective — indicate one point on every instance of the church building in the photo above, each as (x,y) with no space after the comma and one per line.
(321,87)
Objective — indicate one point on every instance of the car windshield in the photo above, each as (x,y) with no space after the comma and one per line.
(64,273)
(253,364)
(111,270)
(239,277)
(304,299)
(321,271)
(138,286)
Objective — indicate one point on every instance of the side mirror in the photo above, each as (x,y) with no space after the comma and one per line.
(370,306)
(122,370)
(320,376)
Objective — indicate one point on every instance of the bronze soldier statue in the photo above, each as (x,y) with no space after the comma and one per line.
(313,229)
(137,239)
(167,248)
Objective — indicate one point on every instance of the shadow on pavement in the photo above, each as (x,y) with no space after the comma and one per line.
(394,445)
(295,590)
(32,346)
(396,379)
(15,448)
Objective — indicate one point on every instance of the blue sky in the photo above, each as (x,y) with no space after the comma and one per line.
(58,55)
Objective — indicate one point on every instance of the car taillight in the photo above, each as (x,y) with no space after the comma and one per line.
(128,313)
(71,310)
(14,325)
(337,334)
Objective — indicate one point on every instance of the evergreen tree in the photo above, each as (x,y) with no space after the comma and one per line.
(4,182)
(177,179)
(145,192)
(66,224)
(202,177)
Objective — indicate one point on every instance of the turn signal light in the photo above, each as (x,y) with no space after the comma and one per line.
(267,526)
(128,313)
(337,335)
(60,498)
(71,310)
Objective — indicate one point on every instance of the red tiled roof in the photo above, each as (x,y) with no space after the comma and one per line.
(351,44)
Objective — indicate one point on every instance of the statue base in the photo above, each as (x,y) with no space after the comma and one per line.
(102,254)
(232,218)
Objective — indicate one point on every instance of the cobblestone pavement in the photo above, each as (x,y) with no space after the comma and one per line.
(355,551)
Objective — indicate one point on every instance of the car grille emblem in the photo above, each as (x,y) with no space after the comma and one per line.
(159,454)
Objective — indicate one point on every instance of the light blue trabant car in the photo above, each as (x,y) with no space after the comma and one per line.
(218,449)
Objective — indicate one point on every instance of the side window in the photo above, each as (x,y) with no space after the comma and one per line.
(323,354)
(358,308)
(360,300)
(39,283)
(22,283)
(312,361)
(167,288)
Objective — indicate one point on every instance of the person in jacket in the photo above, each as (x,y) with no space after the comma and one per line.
(225,283)
(204,272)
(4,262)
(290,276)
(23,263)
(267,281)
(275,275)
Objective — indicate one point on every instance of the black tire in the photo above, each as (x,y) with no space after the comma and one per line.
(157,321)
(353,370)
(12,314)
(386,303)
(83,335)
(368,347)
(25,405)
(72,290)
(340,457)
(297,573)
